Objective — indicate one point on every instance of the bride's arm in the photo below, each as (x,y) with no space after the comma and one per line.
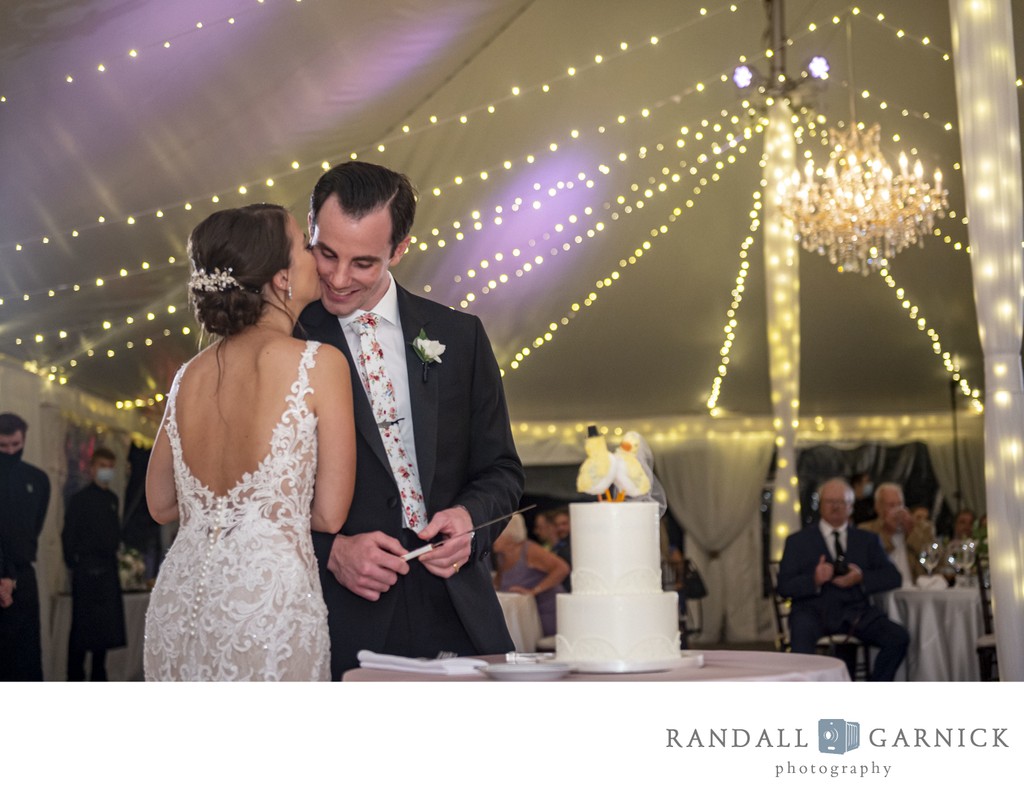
(336,441)
(161,495)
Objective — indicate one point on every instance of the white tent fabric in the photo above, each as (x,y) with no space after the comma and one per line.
(992,166)
(106,172)
(782,301)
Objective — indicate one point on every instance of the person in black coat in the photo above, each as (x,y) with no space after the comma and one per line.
(92,532)
(829,570)
(24,498)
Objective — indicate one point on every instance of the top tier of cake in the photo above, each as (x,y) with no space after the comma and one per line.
(616,548)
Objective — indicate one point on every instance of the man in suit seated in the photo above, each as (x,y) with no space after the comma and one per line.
(829,570)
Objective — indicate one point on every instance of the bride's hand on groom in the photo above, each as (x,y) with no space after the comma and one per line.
(367,564)
(455,527)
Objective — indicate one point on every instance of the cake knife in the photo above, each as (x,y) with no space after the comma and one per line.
(428,547)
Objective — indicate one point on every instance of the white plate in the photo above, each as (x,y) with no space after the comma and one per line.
(527,672)
(686,659)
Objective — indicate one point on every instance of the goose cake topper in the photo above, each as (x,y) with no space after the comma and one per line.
(614,476)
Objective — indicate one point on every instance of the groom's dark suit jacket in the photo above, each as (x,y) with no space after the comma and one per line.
(832,604)
(466,456)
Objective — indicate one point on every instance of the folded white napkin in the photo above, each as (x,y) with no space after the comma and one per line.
(456,666)
(931,582)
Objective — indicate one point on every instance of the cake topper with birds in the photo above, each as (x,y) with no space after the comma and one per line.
(603,471)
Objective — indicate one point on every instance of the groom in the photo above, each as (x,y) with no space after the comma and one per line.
(435,454)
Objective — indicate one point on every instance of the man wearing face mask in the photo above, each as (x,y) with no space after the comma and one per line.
(92,532)
(24,498)
(863,497)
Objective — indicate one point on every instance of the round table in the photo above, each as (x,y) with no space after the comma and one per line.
(719,666)
(944,626)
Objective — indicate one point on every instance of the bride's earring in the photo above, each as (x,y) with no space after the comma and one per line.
(289,291)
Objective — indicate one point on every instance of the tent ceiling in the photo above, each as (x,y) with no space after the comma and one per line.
(263,84)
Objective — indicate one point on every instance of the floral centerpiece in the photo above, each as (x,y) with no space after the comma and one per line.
(131,567)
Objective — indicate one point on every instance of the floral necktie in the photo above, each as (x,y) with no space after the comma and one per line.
(385,412)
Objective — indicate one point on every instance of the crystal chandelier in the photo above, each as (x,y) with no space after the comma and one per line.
(860,210)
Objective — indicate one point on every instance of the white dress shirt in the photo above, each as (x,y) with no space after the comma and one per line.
(827,530)
(392,340)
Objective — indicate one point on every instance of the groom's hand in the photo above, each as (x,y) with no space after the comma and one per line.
(367,564)
(446,560)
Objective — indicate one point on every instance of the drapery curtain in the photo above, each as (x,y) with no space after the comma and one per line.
(907,464)
(971,461)
(714,489)
(990,136)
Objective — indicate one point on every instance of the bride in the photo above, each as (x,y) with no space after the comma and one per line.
(256,447)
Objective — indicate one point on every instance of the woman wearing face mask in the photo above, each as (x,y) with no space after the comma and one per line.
(92,533)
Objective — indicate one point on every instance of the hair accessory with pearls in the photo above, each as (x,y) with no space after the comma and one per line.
(212,280)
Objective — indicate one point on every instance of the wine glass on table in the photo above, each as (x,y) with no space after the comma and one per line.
(965,556)
(931,557)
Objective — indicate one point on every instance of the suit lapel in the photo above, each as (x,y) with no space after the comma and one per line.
(423,390)
(327,328)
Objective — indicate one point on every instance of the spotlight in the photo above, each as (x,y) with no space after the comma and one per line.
(818,67)
(742,77)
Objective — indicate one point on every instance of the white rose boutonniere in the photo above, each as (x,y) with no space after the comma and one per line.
(428,350)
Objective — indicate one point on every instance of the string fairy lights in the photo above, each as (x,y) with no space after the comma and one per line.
(626,262)
(590,220)
(732,324)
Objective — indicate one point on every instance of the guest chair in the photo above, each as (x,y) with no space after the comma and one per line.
(851,650)
(986,644)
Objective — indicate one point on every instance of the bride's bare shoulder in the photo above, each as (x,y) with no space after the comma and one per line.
(242,359)
(330,358)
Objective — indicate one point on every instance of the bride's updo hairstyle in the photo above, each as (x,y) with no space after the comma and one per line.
(234,253)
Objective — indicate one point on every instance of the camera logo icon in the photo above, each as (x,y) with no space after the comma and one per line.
(836,736)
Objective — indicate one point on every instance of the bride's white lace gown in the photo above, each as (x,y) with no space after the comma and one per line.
(238,596)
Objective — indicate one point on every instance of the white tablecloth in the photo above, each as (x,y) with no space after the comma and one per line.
(522,619)
(123,664)
(944,625)
(719,666)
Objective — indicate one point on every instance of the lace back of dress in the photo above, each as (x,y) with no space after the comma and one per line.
(288,465)
(239,594)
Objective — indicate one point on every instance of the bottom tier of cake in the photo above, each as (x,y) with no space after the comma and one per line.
(618,633)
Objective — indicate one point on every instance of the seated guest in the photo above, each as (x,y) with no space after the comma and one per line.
(828,570)
(526,567)
(562,547)
(963,532)
(902,536)
(963,527)
(922,516)
(544,530)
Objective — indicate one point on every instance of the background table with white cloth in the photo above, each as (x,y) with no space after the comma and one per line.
(944,626)
(522,619)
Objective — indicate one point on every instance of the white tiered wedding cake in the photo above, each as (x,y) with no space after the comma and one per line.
(617,618)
